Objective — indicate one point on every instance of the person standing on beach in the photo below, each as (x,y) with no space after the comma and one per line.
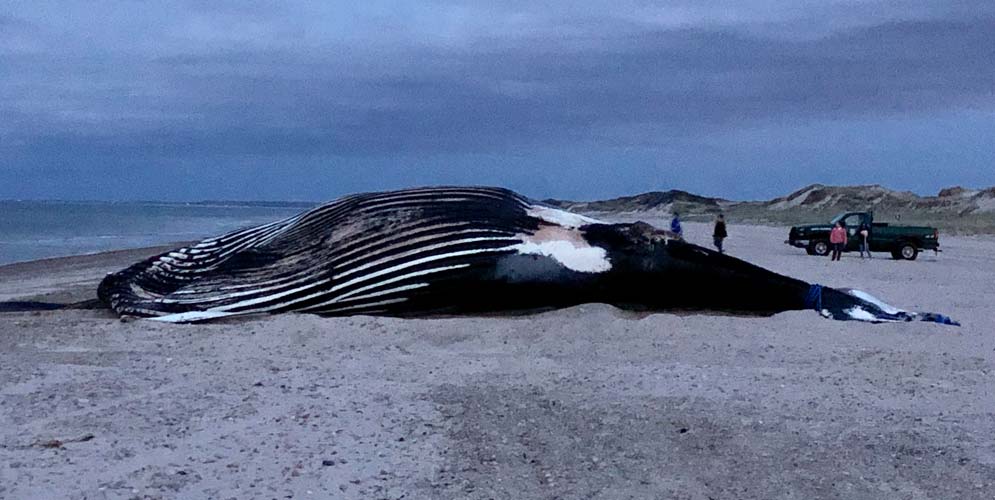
(719,233)
(837,237)
(675,225)
(864,232)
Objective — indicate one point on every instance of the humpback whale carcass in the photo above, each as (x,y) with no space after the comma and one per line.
(459,250)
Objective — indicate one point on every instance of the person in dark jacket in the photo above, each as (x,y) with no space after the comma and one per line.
(719,233)
(675,225)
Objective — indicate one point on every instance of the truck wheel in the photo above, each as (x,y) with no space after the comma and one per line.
(908,251)
(820,248)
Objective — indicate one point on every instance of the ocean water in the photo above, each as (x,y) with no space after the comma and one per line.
(32,230)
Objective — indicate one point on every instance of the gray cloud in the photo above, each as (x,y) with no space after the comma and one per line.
(235,79)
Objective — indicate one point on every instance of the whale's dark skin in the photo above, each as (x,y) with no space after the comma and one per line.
(651,272)
(459,251)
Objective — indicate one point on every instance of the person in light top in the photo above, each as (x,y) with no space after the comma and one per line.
(864,232)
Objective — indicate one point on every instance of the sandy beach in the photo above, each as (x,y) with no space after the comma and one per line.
(586,402)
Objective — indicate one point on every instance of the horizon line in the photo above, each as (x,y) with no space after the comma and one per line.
(315,202)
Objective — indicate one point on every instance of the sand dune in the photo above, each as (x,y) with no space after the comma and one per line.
(587,402)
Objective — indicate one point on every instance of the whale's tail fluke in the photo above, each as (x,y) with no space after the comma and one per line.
(857,305)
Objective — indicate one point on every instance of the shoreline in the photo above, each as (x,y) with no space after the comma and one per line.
(71,279)
(80,257)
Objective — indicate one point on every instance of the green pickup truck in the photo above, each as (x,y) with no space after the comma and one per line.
(903,242)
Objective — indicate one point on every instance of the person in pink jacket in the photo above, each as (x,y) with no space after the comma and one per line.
(837,237)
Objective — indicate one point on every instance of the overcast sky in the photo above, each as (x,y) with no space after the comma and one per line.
(310,100)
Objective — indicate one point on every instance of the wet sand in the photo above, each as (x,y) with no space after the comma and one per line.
(586,402)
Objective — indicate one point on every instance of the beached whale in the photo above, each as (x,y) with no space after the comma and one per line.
(459,251)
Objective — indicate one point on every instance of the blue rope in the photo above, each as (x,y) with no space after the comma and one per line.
(941,319)
(814,298)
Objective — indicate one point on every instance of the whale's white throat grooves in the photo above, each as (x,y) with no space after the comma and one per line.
(359,254)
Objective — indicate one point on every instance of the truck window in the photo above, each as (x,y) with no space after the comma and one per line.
(853,221)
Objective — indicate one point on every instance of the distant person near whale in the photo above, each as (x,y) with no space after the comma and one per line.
(675,225)
(719,233)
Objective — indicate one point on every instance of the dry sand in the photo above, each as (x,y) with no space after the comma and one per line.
(587,402)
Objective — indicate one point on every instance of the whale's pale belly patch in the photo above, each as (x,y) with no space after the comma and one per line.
(566,245)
